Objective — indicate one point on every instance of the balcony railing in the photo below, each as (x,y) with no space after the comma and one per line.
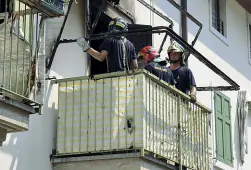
(19,30)
(18,37)
(50,8)
(119,112)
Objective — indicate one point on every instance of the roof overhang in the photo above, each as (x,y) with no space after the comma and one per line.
(114,11)
(246,4)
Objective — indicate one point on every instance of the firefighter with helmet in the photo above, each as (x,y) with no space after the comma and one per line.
(182,74)
(155,64)
(119,52)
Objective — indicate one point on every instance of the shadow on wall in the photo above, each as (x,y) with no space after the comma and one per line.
(33,148)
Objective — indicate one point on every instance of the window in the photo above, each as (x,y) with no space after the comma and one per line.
(223,129)
(218,21)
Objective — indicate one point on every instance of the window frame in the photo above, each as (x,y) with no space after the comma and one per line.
(223,164)
(249,36)
(223,38)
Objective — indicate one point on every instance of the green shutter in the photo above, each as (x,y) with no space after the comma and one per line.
(219,128)
(223,128)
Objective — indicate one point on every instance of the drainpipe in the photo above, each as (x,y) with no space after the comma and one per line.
(183,5)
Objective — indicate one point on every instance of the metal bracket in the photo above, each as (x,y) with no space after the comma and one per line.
(192,19)
(48,66)
(176,37)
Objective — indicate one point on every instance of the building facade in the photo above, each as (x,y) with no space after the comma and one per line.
(224,40)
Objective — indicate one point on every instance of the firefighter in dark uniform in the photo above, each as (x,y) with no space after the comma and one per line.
(155,64)
(182,74)
(118,52)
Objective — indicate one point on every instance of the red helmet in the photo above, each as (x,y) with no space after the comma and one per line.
(148,53)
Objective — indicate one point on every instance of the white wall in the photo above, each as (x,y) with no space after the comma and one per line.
(231,58)
(24,151)
(31,150)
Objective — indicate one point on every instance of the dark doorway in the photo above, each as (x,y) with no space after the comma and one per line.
(3,6)
(98,67)
(139,41)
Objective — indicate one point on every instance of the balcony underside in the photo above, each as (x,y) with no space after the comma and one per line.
(14,117)
(134,159)
(245,4)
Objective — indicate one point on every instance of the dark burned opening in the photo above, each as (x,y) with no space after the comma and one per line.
(139,41)
(98,67)
(3,8)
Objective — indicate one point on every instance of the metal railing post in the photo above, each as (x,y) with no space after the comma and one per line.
(179,132)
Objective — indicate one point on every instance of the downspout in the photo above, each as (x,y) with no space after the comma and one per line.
(183,5)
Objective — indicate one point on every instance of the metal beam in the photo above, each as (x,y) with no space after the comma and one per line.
(176,37)
(68,159)
(48,66)
(187,14)
(95,22)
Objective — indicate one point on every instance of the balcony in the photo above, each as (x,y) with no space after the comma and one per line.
(116,112)
(18,63)
(49,8)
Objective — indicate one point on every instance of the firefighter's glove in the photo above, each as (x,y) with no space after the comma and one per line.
(193,98)
(83,43)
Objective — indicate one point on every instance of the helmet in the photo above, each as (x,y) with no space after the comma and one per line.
(176,47)
(159,60)
(148,53)
(117,24)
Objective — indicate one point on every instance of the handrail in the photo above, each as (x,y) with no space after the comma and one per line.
(117,111)
(140,71)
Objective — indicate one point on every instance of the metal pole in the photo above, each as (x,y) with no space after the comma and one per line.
(184,22)
(4,48)
(179,133)
(24,22)
(18,38)
(11,37)
(48,66)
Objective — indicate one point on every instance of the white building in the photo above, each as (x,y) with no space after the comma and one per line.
(224,40)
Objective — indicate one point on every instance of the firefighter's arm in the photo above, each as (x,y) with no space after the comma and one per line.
(84,44)
(193,93)
(134,64)
(100,56)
